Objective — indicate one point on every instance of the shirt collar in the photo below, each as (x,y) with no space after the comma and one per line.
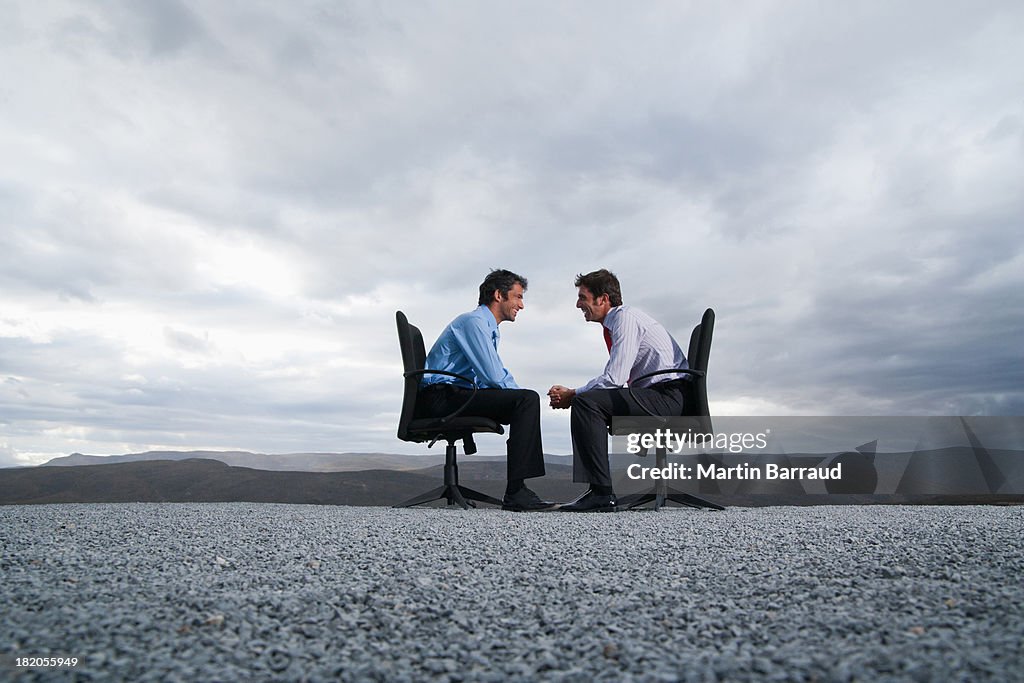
(486,314)
(609,317)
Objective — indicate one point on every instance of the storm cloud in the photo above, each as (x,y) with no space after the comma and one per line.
(209,213)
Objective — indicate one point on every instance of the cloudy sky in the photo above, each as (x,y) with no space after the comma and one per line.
(210,211)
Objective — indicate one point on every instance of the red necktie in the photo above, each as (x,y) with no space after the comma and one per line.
(608,338)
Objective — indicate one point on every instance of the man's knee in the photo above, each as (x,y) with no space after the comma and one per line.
(585,408)
(527,398)
(585,402)
(525,412)
(527,401)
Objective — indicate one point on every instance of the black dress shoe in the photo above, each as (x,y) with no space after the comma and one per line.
(524,500)
(592,502)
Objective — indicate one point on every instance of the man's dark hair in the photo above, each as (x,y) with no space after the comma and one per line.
(601,282)
(501,280)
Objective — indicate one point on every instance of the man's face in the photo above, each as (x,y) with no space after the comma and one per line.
(510,304)
(594,309)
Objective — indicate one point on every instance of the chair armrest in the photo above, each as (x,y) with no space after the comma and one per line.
(459,410)
(413,373)
(676,371)
(673,371)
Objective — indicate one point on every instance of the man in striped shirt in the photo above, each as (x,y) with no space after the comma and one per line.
(637,345)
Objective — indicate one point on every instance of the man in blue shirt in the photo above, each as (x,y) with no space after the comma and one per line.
(469,347)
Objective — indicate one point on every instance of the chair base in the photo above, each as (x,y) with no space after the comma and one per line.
(452,491)
(661,498)
(662,493)
(455,494)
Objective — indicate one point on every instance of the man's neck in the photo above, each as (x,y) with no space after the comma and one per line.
(604,318)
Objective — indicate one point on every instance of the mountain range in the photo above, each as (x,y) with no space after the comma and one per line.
(370,479)
(290,462)
(206,480)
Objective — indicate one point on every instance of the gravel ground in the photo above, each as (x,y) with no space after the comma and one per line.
(219,592)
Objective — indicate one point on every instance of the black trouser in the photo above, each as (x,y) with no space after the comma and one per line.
(592,412)
(517,408)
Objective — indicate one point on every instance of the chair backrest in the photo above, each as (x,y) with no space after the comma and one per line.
(414,357)
(698,356)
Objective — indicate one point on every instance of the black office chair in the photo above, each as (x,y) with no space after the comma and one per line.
(450,428)
(698,354)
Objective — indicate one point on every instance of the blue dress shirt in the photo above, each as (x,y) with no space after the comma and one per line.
(469,347)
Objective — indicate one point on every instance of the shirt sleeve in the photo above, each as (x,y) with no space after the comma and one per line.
(476,342)
(625,347)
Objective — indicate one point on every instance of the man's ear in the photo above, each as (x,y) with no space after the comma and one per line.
(496,296)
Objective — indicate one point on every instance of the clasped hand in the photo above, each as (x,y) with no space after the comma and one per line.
(561,397)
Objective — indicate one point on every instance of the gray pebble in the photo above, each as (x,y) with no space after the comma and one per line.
(157,592)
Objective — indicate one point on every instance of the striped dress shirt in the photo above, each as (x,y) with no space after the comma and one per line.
(640,344)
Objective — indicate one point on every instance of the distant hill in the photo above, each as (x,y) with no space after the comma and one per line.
(292,462)
(388,479)
(288,462)
(200,480)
